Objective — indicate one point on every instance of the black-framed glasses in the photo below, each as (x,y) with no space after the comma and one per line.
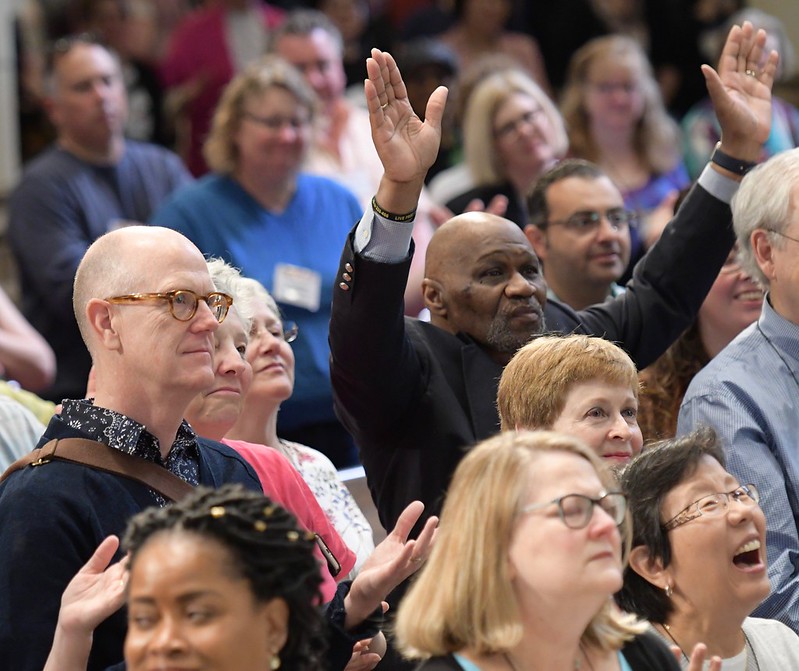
(182,302)
(576,510)
(588,221)
(714,505)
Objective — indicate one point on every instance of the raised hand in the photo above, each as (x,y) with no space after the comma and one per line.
(741,91)
(407,146)
(96,592)
(393,560)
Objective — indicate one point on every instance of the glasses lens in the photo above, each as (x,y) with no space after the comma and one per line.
(614,505)
(576,510)
(218,304)
(184,305)
(620,218)
(582,222)
(754,494)
(290,331)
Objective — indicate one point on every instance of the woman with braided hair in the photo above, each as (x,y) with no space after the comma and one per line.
(224,580)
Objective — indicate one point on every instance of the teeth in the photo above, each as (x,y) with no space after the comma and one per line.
(748,547)
(750,296)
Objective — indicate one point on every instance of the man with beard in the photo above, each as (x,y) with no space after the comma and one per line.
(415,395)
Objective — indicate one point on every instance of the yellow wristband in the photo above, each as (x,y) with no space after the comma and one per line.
(400,218)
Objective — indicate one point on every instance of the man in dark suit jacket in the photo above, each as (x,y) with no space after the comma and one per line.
(417,395)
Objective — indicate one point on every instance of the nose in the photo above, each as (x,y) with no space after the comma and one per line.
(230,361)
(167,639)
(264,342)
(519,285)
(601,522)
(204,319)
(620,429)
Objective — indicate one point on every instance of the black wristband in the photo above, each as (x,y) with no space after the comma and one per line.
(401,218)
(727,162)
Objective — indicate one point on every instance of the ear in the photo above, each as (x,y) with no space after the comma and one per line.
(274,617)
(763,251)
(649,568)
(538,239)
(101,322)
(434,299)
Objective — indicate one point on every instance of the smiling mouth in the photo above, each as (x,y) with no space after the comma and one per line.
(748,555)
(751,295)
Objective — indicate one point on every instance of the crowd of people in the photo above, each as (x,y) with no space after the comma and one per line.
(567,372)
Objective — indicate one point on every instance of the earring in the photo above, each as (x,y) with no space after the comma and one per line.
(668,590)
(274,662)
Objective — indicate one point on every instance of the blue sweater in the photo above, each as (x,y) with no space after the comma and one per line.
(52,518)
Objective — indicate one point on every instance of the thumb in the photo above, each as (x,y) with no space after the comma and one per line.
(434,111)
(715,87)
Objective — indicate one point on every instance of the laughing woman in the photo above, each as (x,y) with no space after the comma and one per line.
(698,563)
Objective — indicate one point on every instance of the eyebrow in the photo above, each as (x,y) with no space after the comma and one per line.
(183,599)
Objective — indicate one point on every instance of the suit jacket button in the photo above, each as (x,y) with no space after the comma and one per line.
(346,277)
(344,286)
(348,267)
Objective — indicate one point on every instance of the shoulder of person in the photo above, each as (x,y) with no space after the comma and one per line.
(647,652)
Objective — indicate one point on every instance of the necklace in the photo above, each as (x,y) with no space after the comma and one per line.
(577,663)
(750,651)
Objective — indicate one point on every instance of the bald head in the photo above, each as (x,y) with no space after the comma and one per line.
(130,260)
(461,239)
(482,279)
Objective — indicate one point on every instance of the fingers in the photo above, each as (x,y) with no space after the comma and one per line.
(102,556)
(434,111)
(498,205)
(407,519)
(770,69)
(424,542)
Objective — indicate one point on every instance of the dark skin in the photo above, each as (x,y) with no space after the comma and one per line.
(483,279)
(407,147)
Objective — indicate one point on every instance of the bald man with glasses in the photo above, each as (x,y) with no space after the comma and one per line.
(147,310)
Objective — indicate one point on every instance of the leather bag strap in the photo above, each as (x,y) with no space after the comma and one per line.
(104,458)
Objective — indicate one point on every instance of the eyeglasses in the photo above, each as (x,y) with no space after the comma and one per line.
(782,235)
(182,302)
(513,127)
(576,510)
(277,123)
(606,88)
(289,332)
(588,221)
(714,505)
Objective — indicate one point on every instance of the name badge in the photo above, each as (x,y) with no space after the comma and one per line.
(297,286)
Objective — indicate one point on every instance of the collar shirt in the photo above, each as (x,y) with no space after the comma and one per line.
(749,393)
(127,435)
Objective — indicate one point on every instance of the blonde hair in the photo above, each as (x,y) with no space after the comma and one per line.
(226,278)
(657,136)
(534,385)
(478,123)
(464,597)
(220,150)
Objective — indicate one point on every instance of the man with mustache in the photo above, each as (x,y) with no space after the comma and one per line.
(580,231)
(416,394)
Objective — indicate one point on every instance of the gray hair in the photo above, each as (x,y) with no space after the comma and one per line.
(303,22)
(226,279)
(763,201)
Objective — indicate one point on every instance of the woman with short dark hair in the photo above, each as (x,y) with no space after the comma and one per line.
(698,564)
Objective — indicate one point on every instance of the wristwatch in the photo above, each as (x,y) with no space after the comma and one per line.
(727,162)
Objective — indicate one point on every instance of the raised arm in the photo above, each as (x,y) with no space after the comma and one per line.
(406,145)
(672,280)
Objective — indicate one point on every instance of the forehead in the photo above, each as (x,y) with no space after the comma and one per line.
(557,473)
(708,478)
(591,390)
(613,66)
(574,194)
(275,98)
(516,102)
(316,45)
(81,61)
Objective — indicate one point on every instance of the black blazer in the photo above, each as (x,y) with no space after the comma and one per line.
(416,397)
